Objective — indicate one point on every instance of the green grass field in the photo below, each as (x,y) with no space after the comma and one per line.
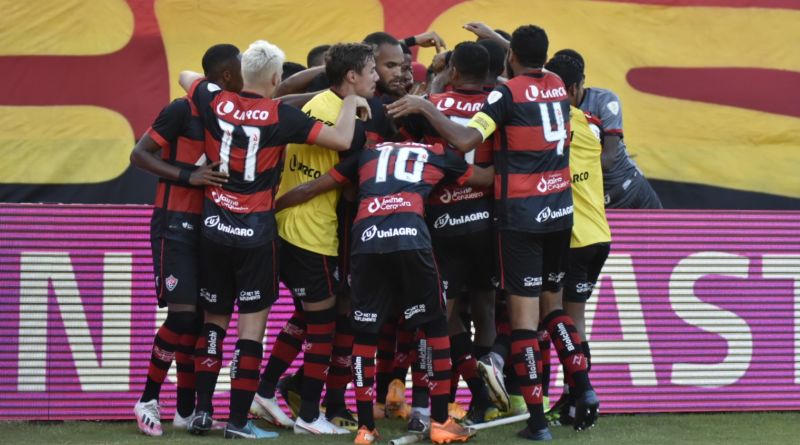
(727,429)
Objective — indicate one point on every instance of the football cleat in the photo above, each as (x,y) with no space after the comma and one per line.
(269,410)
(366,437)
(320,425)
(200,423)
(343,418)
(396,406)
(490,368)
(148,417)
(587,407)
(456,411)
(450,431)
(419,423)
(541,435)
(248,431)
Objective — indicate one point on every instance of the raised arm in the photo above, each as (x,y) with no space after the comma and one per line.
(481,30)
(187,78)
(340,137)
(460,137)
(481,176)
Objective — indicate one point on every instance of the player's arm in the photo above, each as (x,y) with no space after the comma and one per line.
(425,40)
(337,177)
(610,151)
(481,30)
(610,114)
(145,156)
(298,82)
(297,100)
(166,129)
(463,138)
(187,78)
(481,176)
(340,137)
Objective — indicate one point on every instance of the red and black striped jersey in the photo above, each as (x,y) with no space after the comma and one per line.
(380,127)
(395,180)
(247,133)
(178,130)
(532,185)
(455,210)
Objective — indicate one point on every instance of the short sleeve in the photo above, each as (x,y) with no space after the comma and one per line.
(611,113)
(202,93)
(495,112)
(346,171)
(170,123)
(296,127)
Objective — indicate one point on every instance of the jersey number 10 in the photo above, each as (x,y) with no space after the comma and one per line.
(399,172)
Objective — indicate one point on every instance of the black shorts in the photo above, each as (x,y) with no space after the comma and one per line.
(176,267)
(405,282)
(585,264)
(529,263)
(247,276)
(310,276)
(465,262)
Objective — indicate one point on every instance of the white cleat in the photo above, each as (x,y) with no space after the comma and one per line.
(269,410)
(181,422)
(320,425)
(148,417)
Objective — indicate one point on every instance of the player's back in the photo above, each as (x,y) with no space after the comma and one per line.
(532,186)
(395,180)
(455,210)
(247,134)
(605,105)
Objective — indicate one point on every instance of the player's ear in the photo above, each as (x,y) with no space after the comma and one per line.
(276,79)
(351,76)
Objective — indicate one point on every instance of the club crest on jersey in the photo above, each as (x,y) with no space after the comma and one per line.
(613,107)
(171,283)
(494,96)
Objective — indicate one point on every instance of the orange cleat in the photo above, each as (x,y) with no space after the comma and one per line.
(450,431)
(455,411)
(396,406)
(366,437)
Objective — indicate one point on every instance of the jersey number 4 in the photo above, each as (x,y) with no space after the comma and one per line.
(560,133)
(253,137)
(400,173)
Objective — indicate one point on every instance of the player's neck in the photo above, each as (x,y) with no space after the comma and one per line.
(468,86)
(257,89)
(343,90)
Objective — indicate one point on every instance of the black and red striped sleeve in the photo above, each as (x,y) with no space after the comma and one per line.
(170,123)
(346,171)
(296,127)
(454,166)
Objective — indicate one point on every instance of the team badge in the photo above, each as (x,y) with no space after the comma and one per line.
(171,282)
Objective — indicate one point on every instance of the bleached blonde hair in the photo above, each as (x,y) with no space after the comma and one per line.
(261,61)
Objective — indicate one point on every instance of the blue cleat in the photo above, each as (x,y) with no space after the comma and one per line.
(248,431)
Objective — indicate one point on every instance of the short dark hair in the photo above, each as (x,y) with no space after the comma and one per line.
(344,57)
(571,53)
(216,57)
(314,56)
(529,44)
(471,60)
(379,38)
(497,56)
(290,68)
(567,68)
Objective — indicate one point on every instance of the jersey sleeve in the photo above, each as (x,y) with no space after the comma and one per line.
(495,111)
(346,171)
(202,93)
(359,140)
(296,127)
(454,166)
(611,113)
(170,123)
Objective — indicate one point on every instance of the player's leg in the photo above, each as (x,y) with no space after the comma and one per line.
(256,288)
(176,286)
(372,293)
(340,373)
(217,280)
(563,334)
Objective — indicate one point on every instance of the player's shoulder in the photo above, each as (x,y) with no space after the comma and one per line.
(601,95)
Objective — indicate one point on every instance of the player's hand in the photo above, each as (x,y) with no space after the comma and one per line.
(480,29)
(430,38)
(439,62)
(406,105)
(363,111)
(206,175)
(418,88)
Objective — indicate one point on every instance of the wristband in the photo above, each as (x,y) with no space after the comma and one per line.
(183,176)
(410,41)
